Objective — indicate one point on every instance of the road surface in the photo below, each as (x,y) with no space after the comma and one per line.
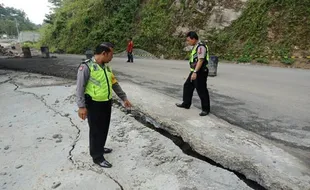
(52,152)
(272,102)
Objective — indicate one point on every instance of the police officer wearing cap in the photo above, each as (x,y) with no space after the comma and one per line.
(197,78)
(95,82)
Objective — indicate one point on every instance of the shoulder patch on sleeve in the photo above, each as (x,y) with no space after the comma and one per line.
(199,50)
(114,80)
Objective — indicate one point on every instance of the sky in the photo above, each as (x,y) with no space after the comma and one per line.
(35,9)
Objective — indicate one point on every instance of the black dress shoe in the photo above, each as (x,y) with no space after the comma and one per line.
(103,163)
(107,150)
(182,106)
(204,113)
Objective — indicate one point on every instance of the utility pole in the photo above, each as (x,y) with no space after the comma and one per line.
(16,23)
(17,29)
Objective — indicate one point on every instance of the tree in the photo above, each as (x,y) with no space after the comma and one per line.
(8,24)
(56,3)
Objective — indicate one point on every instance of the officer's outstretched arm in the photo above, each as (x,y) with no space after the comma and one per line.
(118,89)
(119,92)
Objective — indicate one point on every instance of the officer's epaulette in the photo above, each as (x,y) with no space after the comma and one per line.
(201,44)
(86,61)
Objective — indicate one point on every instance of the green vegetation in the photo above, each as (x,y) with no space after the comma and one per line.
(262,60)
(287,61)
(155,27)
(266,27)
(81,24)
(29,44)
(77,25)
(8,24)
(244,59)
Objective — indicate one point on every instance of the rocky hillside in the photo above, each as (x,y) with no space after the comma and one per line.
(234,29)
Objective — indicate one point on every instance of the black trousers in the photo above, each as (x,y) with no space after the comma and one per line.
(200,84)
(99,115)
(130,57)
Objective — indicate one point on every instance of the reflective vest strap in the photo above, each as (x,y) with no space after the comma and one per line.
(91,68)
(207,56)
(94,81)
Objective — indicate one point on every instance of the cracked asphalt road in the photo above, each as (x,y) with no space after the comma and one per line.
(272,102)
(44,145)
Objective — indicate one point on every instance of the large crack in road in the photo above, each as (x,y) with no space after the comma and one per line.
(185,147)
(146,121)
(70,156)
(149,121)
(143,119)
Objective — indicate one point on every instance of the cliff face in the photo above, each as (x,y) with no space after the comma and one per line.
(247,30)
(176,17)
(205,15)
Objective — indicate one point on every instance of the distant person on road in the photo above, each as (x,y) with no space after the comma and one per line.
(95,82)
(130,50)
(197,78)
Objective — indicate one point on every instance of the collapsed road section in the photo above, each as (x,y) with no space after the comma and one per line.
(185,147)
(230,146)
(39,125)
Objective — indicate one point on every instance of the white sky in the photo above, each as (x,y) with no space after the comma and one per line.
(35,9)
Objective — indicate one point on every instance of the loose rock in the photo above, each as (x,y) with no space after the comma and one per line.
(57,136)
(56,184)
(5,52)
(3,173)
(19,166)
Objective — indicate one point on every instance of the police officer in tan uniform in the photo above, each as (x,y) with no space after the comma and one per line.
(95,82)
(197,78)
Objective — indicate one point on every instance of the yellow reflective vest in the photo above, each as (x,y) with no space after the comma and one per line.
(99,85)
(194,57)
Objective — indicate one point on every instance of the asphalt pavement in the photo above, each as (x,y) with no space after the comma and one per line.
(272,102)
(266,100)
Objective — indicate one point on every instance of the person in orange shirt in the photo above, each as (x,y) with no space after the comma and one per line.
(129,50)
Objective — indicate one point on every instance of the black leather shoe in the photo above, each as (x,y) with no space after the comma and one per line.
(104,164)
(204,113)
(107,150)
(182,106)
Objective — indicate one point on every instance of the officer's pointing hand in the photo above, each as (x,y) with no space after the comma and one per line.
(82,113)
(127,104)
